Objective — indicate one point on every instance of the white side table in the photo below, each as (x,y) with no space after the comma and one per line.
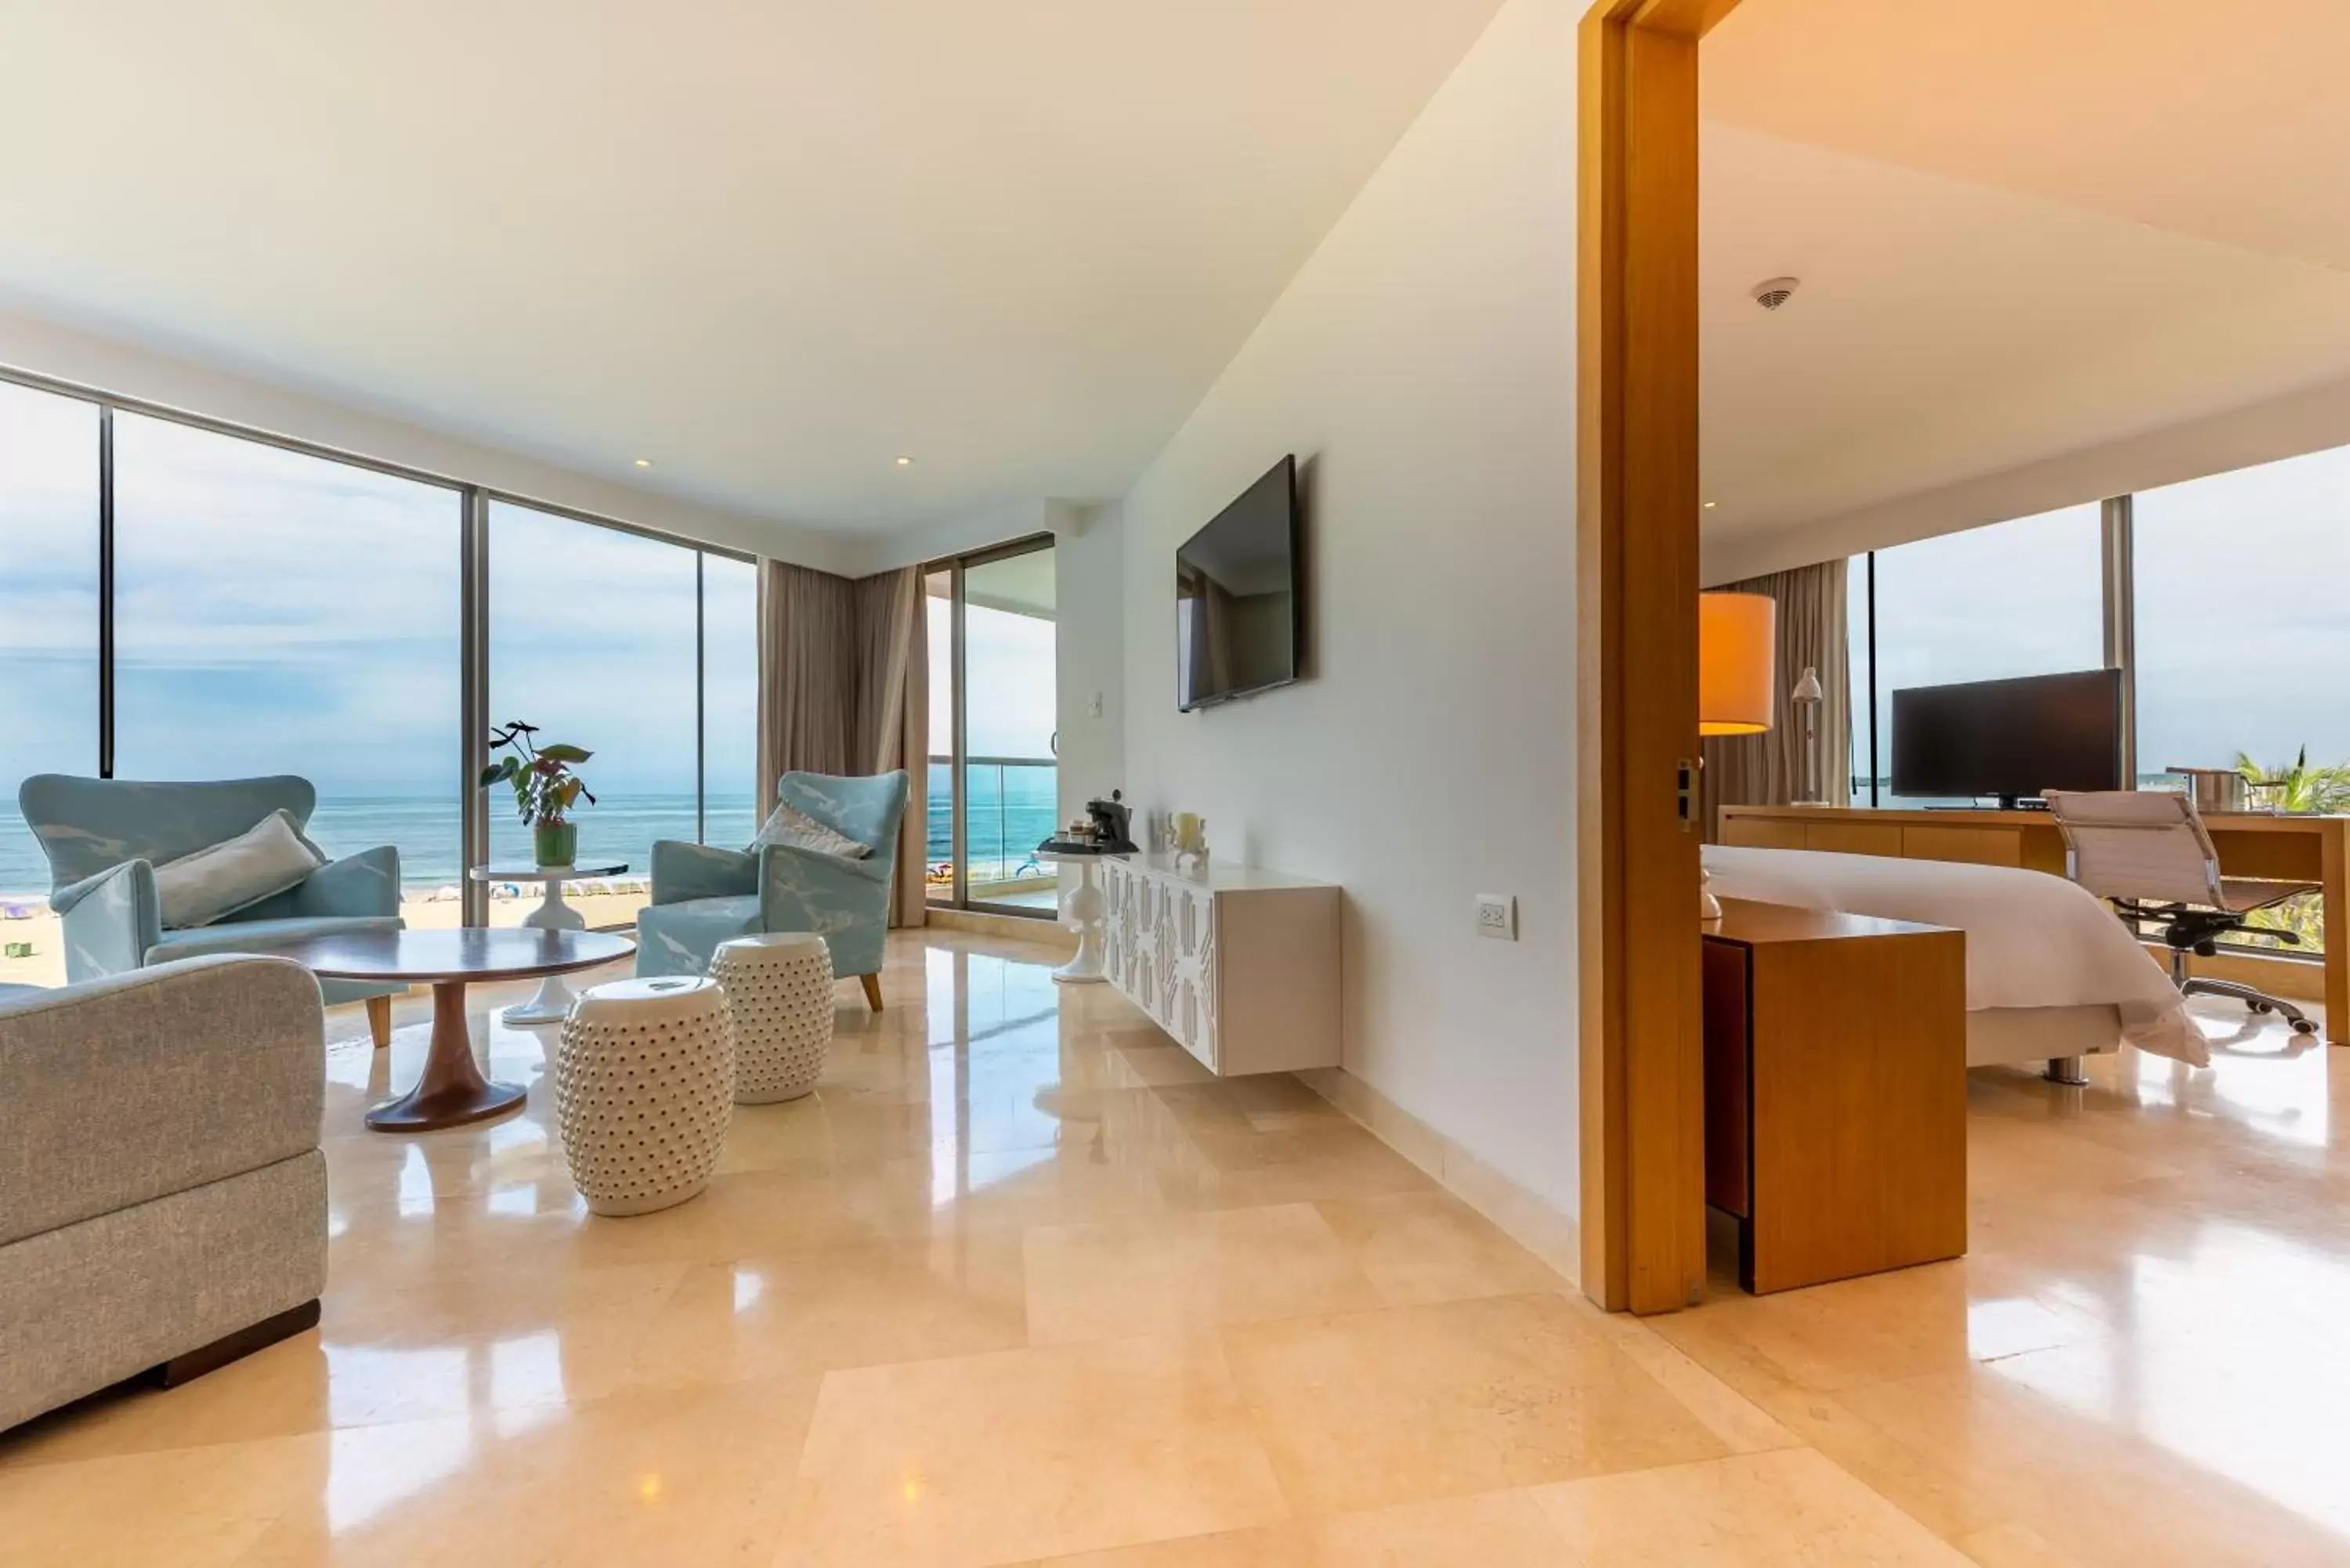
(1086,906)
(553,1002)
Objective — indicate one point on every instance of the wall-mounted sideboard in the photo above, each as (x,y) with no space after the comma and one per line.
(2253,843)
(1238,963)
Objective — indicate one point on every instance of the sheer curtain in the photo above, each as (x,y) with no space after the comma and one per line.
(1768,769)
(843,688)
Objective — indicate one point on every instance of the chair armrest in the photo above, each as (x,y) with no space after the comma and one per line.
(367,883)
(110,920)
(127,1089)
(801,890)
(682,871)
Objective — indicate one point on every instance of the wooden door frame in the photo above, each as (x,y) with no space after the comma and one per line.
(1636,505)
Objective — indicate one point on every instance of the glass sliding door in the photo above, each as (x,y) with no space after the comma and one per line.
(276,612)
(48,645)
(996,770)
(941,884)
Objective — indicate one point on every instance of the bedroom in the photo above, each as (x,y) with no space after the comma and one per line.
(2040,372)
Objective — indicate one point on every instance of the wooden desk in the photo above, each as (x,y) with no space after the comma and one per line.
(2251,843)
(1835,1091)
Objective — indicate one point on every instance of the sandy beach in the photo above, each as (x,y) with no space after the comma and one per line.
(45,965)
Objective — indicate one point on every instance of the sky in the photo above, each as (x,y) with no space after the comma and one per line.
(279,612)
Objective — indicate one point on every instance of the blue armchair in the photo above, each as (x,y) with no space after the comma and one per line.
(703,896)
(104,838)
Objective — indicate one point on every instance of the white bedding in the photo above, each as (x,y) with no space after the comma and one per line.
(2032,940)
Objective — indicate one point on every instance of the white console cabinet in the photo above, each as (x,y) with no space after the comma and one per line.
(1239,964)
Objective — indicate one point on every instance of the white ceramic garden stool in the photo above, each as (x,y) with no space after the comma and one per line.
(644,1083)
(779,989)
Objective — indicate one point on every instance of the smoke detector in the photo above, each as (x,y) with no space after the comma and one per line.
(1773,292)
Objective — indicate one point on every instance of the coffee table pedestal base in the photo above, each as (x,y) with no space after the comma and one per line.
(450,1091)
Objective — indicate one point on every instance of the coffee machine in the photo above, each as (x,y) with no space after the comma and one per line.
(1113,824)
(1107,829)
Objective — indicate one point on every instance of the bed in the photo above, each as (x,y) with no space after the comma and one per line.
(2052,975)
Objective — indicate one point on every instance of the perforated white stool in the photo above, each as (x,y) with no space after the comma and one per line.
(779,989)
(644,1083)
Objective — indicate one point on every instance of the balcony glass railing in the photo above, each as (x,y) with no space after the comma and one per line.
(1010,804)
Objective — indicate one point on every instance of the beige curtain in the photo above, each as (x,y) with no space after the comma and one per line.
(843,688)
(807,674)
(893,715)
(1768,769)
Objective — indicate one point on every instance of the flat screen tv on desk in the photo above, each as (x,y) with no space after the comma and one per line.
(2008,739)
(1237,624)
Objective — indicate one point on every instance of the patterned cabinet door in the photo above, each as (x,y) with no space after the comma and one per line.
(1195,935)
(1115,878)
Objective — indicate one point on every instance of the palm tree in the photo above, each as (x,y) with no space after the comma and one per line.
(2299,788)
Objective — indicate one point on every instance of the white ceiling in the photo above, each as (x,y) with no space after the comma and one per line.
(2023,228)
(769,246)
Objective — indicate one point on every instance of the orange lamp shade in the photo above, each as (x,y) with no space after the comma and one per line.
(1737,663)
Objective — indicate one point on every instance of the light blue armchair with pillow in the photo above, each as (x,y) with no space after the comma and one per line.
(703,895)
(104,838)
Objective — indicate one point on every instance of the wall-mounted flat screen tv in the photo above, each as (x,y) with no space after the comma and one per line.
(2010,739)
(1238,600)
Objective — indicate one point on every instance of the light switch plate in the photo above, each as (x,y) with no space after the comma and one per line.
(1497,917)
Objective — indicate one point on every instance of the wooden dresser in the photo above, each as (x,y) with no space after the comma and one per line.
(1835,1091)
(1238,963)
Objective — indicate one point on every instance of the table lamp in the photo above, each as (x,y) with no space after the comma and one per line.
(1737,674)
(1807,696)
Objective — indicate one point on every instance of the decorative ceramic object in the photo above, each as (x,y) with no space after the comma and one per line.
(779,992)
(644,1083)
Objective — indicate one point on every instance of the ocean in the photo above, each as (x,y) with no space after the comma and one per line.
(1011,809)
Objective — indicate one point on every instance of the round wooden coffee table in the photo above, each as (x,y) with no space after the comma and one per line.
(450,1090)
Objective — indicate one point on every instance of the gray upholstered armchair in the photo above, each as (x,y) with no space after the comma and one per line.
(703,895)
(104,838)
(162,1198)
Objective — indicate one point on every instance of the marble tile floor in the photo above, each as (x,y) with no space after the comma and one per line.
(1022,1285)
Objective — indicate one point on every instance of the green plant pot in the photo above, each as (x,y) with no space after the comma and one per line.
(556,842)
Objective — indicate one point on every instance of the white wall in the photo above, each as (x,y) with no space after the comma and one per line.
(2311,419)
(1421,366)
(45,348)
(1089,580)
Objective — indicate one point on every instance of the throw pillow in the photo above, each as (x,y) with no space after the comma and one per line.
(265,860)
(789,824)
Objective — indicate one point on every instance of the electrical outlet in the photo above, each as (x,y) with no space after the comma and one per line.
(1497,917)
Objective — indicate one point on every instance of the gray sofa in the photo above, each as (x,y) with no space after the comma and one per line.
(162,1198)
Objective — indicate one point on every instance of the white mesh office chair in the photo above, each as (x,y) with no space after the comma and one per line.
(2148,852)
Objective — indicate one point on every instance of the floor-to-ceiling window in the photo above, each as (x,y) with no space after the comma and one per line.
(596,638)
(186,600)
(2241,632)
(280,613)
(48,639)
(2022,597)
(993,738)
(729,698)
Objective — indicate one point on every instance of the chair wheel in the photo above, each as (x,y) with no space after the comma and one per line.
(2260,1007)
(2304,1026)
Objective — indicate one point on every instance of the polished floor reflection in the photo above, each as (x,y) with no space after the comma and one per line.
(1022,1285)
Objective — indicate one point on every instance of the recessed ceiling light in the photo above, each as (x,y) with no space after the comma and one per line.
(644,463)
(1711,505)
(905,462)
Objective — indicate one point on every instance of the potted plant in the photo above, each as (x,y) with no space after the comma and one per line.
(544,789)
